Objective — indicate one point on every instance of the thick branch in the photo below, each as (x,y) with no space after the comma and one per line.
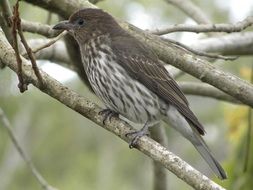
(64,8)
(201,89)
(38,28)
(91,111)
(231,44)
(197,52)
(67,7)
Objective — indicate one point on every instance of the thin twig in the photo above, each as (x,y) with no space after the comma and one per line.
(200,53)
(248,138)
(28,49)
(22,85)
(6,124)
(49,43)
(31,57)
(10,158)
(56,53)
(224,27)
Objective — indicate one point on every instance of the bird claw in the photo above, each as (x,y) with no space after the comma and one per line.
(136,136)
(108,114)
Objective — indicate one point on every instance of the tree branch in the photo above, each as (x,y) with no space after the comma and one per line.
(198,52)
(249,132)
(5,19)
(91,111)
(95,1)
(49,43)
(191,10)
(201,89)
(65,8)
(6,8)
(38,28)
(231,44)
(56,52)
(224,27)
(6,124)
(29,52)
(11,161)
(160,176)
(15,22)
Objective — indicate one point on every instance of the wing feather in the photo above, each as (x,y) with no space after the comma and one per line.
(144,66)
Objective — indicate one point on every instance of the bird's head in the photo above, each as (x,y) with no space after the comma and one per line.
(89,23)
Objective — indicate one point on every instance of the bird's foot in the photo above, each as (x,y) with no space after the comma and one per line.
(108,114)
(136,135)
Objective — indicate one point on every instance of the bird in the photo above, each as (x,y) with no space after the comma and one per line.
(131,80)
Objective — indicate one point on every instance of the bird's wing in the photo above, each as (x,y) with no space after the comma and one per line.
(143,65)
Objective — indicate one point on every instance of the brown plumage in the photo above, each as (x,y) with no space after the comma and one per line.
(146,68)
(131,81)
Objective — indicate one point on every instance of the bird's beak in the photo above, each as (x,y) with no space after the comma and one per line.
(64,25)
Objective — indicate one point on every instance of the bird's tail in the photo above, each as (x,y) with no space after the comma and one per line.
(205,152)
(178,122)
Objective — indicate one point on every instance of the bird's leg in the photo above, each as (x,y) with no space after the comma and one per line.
(137,135)
(108,114)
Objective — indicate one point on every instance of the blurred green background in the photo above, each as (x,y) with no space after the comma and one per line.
(73,153)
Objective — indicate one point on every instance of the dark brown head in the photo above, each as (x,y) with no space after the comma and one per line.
(89,23)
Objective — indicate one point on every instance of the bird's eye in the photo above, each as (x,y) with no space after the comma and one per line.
(80,22)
